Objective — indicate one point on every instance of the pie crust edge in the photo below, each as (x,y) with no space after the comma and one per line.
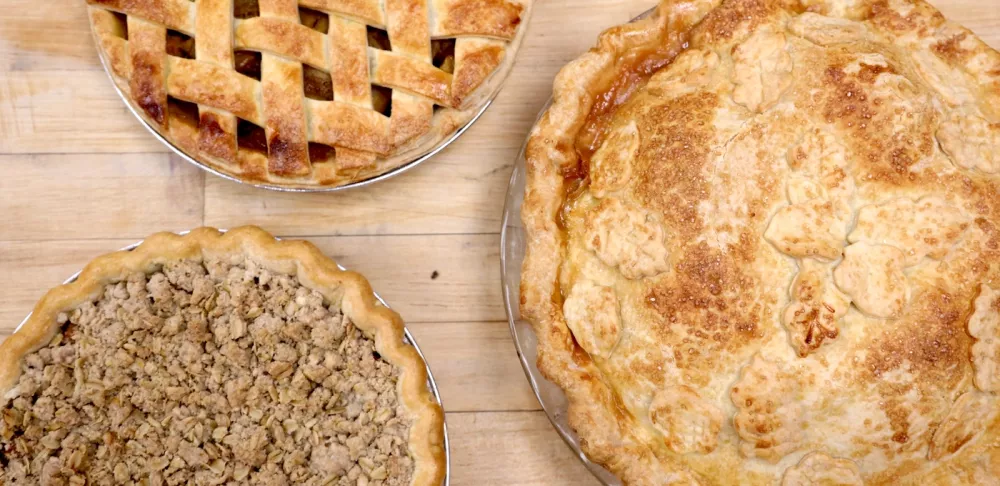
(291,257)
(550,150)
(594,412)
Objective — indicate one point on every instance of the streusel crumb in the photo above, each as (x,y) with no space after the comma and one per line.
(213,373)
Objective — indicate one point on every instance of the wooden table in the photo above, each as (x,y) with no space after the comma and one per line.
(79,177)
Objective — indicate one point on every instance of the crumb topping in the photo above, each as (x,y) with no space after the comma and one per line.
(207,373)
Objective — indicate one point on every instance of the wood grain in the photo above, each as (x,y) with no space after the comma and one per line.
(981,17)
(475,365)
(81,176)
(402,270)
(413,203)
(45,36)
(39,266)
(97,196)
(46,112)
(511,448)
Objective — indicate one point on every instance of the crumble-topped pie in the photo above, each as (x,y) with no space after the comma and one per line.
(307,93)
(763,245)
(216,358)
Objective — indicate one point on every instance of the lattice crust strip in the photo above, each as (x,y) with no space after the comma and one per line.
(195,92)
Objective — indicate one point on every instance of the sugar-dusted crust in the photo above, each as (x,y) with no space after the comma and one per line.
(298,258)
(706,211)
(428,105)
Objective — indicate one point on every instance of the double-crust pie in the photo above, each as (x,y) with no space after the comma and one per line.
(307,93)
(763,245)
(216,358)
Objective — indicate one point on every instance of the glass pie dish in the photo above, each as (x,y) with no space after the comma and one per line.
(550,396)
(512,247)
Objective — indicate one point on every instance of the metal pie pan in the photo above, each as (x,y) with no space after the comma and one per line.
(275,187)
(407,338)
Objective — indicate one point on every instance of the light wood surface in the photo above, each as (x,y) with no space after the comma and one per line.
(79,177)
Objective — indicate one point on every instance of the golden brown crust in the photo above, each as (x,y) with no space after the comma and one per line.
(408,37)
(593,410)
(173,14)
(477,60)
(366,10)
(351,127)
(216,137)
(292,41)
(349,65)
(230,91)
(486,37)
(668,152)
(414,76)
(147,62)
(299,258)
(495,18)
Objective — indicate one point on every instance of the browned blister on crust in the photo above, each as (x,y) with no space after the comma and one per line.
(787,207)
(147,69)
(217,134)
(475,61)
(285,127)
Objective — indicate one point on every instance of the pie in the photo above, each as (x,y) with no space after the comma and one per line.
(763,241)
(216,358)
(307,93)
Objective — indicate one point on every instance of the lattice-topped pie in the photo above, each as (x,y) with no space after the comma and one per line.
(764,245)
(216,359)
(307,93)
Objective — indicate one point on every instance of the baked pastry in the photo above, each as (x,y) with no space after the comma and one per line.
(762,245)
(213,358)
(310,93)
